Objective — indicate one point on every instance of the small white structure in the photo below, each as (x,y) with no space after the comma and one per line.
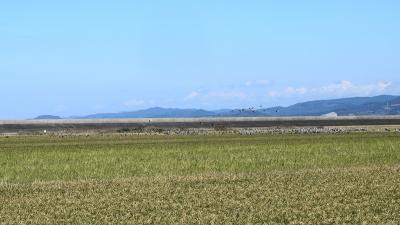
(331,114)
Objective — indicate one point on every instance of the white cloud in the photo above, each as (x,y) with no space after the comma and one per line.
(212,95)
(335,89)
(383,85)
(345,86)
(289,91)
(192,95)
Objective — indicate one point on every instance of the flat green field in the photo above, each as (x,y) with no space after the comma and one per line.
(270,179)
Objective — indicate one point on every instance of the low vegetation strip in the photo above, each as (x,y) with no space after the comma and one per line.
(110,125)
(227,179)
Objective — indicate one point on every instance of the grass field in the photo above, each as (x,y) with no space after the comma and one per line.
(272,179)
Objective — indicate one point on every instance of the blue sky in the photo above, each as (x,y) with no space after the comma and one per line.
(80,57)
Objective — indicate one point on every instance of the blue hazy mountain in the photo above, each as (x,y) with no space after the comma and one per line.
(156,112)
(378,105)
(47,117)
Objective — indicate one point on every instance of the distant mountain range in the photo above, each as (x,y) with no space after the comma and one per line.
(378,105)
(47,117)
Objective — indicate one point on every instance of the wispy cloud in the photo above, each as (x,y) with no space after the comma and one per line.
(296,91)
(230,92)
(288,91)
(349,87)
(341,88)
(192,95)
(247,95)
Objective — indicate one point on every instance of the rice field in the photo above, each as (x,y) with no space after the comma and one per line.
(216,179)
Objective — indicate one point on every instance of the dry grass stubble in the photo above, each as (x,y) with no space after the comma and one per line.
(363,195)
